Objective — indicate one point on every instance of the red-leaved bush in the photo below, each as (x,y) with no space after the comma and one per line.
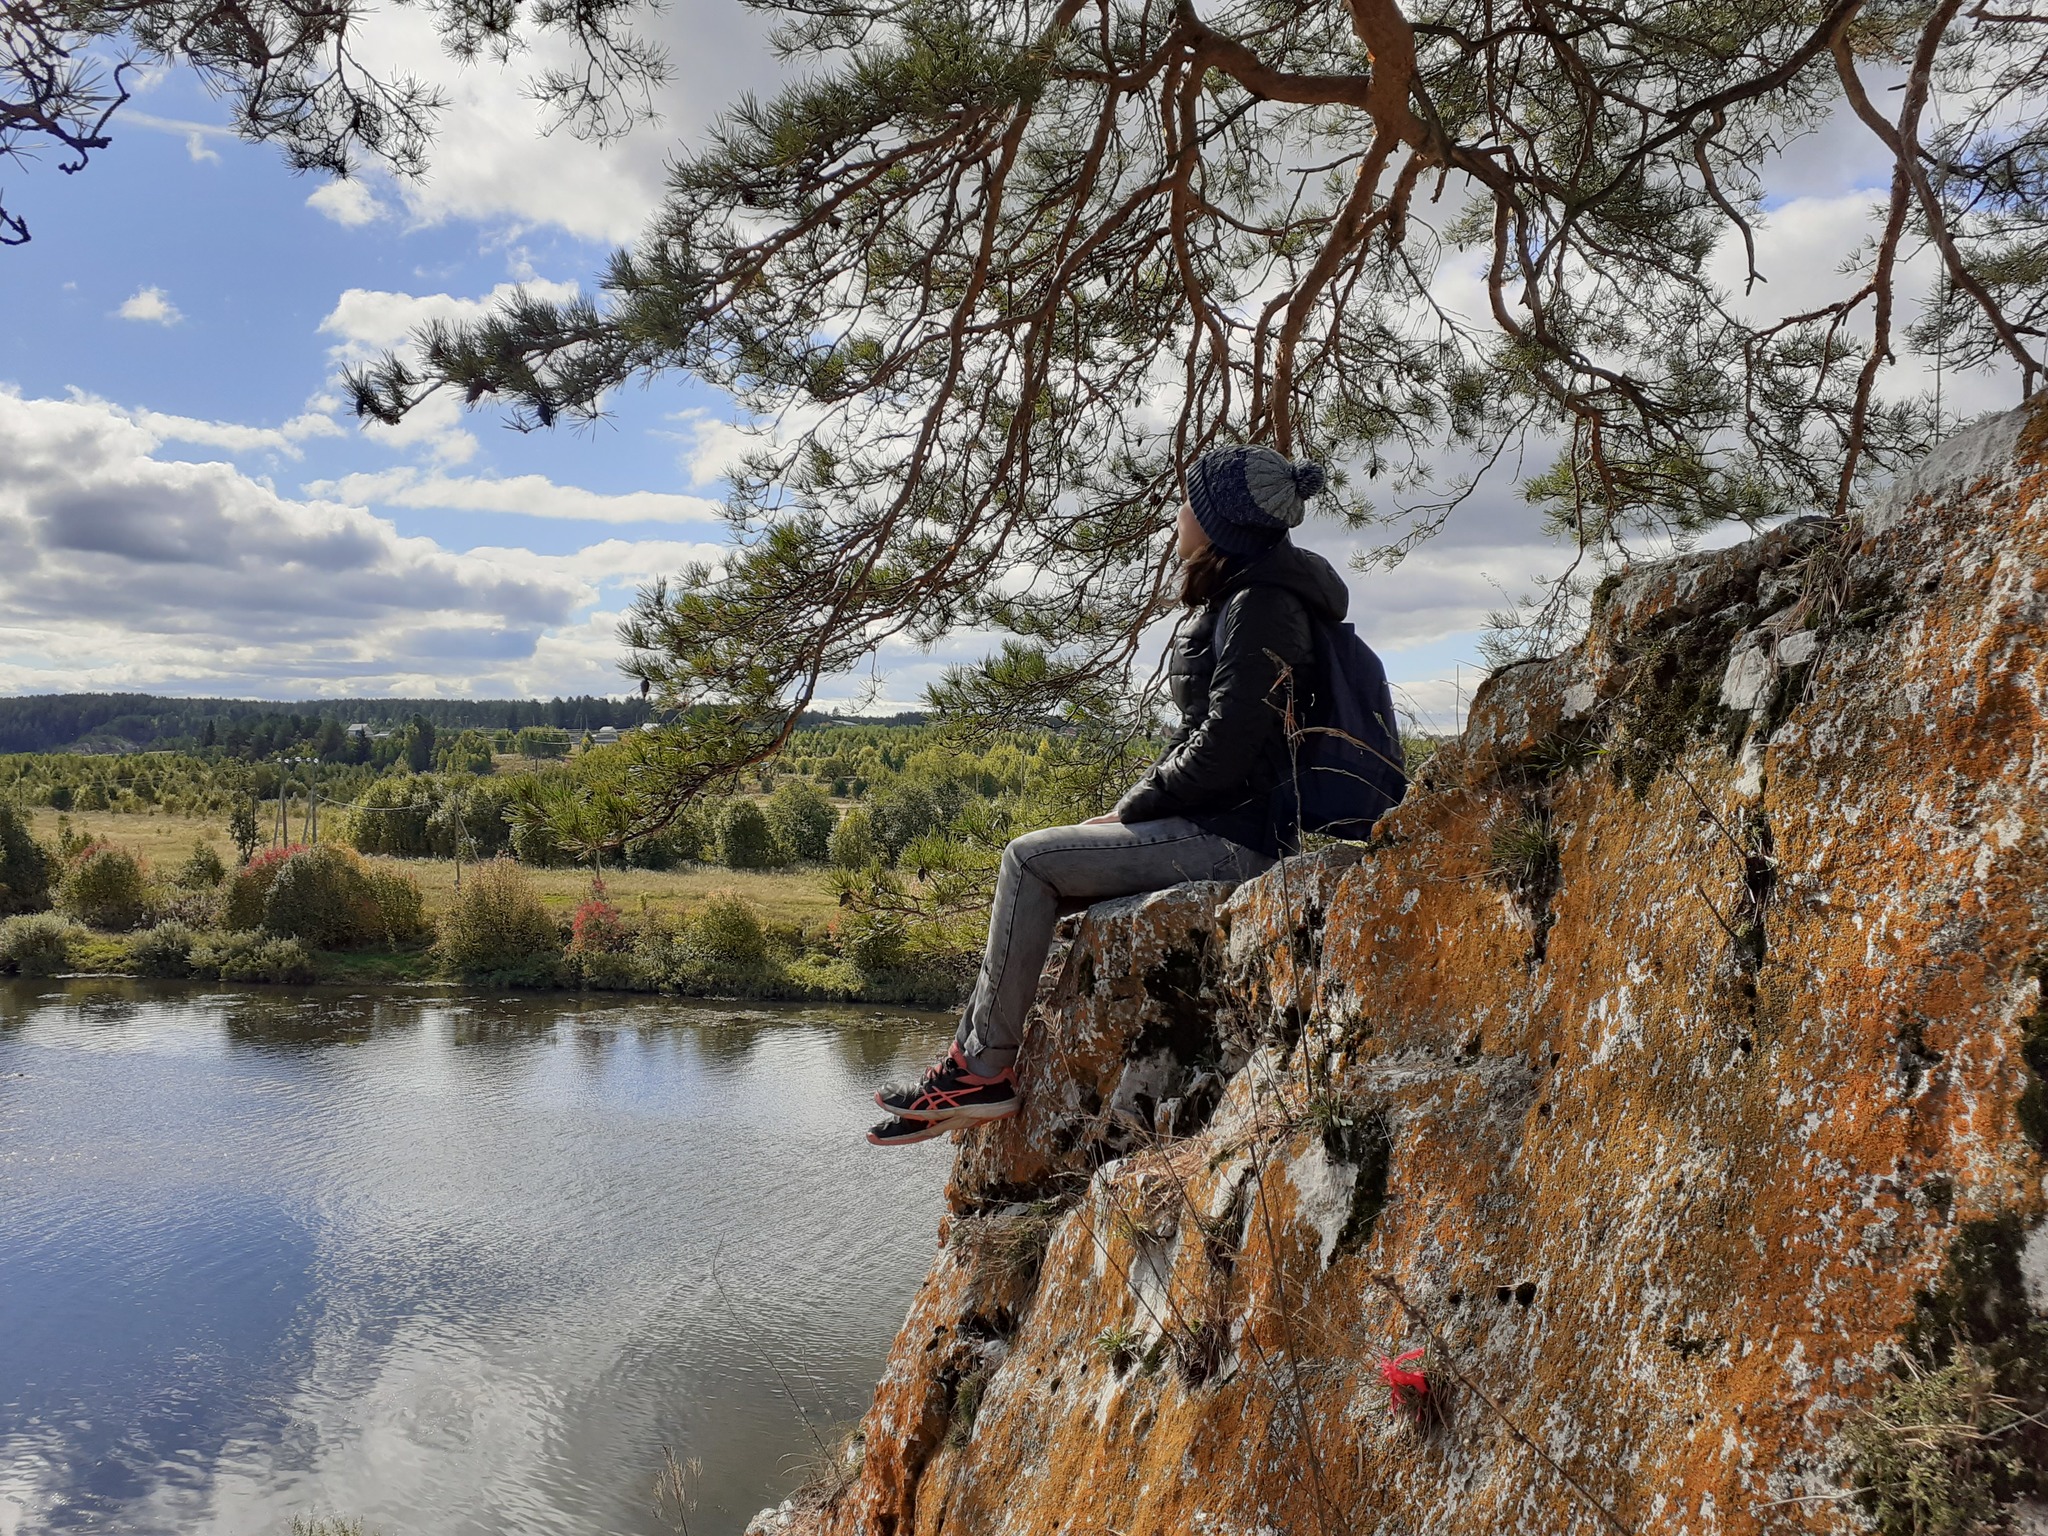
(597,927)
(251,884)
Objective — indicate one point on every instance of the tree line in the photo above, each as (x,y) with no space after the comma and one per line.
(251,727)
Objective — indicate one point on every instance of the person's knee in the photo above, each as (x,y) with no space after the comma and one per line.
(1028,854)
(1021,850)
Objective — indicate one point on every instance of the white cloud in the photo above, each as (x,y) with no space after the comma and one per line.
(182,127)
(229,435)
(372,321)
(151,305)
(490,160)
(129,570)
(350,203)
(520,495)
(195,146)
(492,163)
(368,322)
(579,658)
(609,562)
(433,427)
(714,448)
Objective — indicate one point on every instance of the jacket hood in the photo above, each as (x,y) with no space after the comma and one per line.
(1301,571)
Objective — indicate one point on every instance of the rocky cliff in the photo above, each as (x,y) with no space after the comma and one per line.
(1672,1071)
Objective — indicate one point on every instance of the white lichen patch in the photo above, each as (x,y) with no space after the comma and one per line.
(1322,1191)
(1747,682)
(2034,1267)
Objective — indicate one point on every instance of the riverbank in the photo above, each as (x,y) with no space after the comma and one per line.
(806,977)
(152,896)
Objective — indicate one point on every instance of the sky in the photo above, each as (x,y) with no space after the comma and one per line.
(187,507)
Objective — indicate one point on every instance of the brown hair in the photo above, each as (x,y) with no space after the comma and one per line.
(1202,575)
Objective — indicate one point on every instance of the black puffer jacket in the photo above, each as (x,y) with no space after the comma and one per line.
(1220,769)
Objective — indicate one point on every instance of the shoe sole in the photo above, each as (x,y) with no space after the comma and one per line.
(972,1114)
(926,1134)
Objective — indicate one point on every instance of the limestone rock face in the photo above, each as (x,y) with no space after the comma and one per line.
(1669,1069)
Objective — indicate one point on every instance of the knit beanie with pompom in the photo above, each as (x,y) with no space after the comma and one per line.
(1247,498)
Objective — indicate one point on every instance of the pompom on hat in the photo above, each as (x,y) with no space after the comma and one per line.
(1247,498)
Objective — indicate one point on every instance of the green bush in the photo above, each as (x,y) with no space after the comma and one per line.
(197,910)
(823,978)
(683,841)
(801,820)
(542,741)
(498,931)
(204,869)
(36,944)
(401,909)
(902,814)
(470,821)
(744,840)
(25,864)
(250,886)
(106,888)
(726,934)
(391,817)
(615,971)
(165,950)
(785,941)
(853,840)
(252,957)
(661,955)
(533,842)
(875,942)
(323,897)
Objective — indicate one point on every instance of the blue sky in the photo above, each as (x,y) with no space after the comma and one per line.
(193,510)
(186,275)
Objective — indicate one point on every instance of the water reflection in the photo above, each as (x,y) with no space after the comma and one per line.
(450,1262)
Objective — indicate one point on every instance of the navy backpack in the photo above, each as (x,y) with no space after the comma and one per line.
(1349,766)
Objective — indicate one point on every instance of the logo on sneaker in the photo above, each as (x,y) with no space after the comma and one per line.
(951,1094)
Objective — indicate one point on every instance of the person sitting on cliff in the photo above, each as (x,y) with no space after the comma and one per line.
(1204,811)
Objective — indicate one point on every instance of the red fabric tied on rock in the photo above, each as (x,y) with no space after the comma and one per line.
(1408,1387)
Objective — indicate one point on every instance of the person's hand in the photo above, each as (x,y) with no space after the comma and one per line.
(1102,821)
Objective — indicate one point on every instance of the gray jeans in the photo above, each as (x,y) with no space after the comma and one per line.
(1063,869)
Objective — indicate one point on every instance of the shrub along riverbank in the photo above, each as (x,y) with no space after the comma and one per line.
(326,913)
(867,852)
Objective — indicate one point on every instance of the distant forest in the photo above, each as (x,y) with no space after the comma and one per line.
(142,722)
(128,722)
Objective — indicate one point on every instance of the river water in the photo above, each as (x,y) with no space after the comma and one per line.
(444,1262)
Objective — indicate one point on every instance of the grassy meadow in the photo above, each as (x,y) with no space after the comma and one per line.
(855,865)
(782,896)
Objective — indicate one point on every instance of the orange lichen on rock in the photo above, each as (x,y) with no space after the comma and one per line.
(1662,1137)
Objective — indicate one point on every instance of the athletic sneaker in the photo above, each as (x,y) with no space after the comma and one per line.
(950,1095)
(901,1133)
